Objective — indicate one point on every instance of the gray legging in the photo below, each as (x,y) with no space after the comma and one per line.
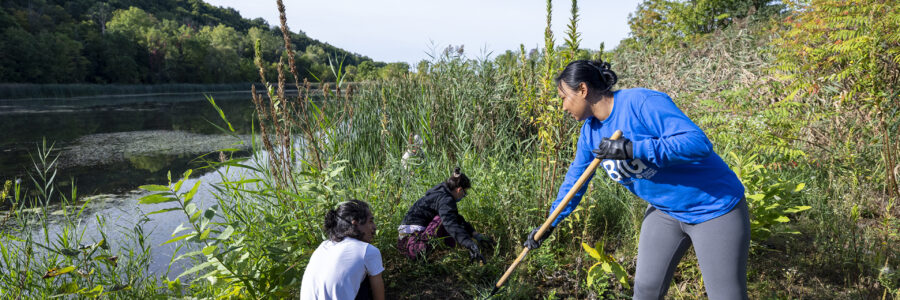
(721,245)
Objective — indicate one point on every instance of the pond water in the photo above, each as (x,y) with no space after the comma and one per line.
(110,146)
(114,144)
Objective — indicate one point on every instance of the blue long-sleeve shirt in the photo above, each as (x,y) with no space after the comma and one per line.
(674,167)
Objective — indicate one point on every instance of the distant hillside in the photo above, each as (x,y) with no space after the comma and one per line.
(163,41)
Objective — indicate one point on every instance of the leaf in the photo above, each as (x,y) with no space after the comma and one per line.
(101,243)
(95,292)
(179,238)
(108,260)
(177,186)
(190,195)
(620,273)
(184,177)
(190,208)
(155,198)
(208,250)
(208,215)
(209,276)
(194,216)
(591,251)
(221,113)
(225,233)
(163,211)
(756,197)
(590,274)
(799,187)
(606,267)
(189,254)
(239,182)
(782,219)
(155,188)
(66,289)
(205,234)
(336,171)
(797,209)
(53,272)
(196,269)
(180,228)
(69,252)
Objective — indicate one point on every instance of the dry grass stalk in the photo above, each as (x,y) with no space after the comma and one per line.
(312,142)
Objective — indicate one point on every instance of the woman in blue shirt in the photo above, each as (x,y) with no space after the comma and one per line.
(665,159)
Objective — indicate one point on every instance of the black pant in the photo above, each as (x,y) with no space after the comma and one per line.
(365,290)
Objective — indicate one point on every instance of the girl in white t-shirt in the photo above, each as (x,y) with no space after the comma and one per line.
(346,266)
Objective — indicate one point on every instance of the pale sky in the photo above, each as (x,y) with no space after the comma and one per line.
(405,30)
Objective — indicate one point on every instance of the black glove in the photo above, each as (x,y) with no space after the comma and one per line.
(531,243)
(614,149)
(474,252)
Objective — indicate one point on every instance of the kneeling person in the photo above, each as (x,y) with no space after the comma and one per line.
(435,216)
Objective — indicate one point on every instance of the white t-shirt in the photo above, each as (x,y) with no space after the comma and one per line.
(336,270)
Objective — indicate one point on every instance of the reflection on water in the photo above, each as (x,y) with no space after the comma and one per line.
(94,141)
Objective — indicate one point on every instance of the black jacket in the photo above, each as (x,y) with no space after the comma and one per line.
(439,201)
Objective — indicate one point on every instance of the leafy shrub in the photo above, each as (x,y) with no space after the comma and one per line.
(770,199)
(607,264)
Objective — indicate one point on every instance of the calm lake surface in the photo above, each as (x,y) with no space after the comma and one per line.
(114,144)
(111,145)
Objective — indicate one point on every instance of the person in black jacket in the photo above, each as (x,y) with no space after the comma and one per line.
(435,216)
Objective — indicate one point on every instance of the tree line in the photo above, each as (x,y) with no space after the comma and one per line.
(151,42)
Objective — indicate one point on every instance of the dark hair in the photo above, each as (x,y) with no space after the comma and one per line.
(339,221)
(595,74)
(458,179)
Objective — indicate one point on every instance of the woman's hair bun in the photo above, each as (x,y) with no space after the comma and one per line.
(606,74)
(458,179)
(599,64)
(339,220)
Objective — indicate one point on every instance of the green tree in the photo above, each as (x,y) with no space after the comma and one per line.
(271,45)
(133,22)
(18,55)
(60,59)
(223,60)
(366,71)
(395,70)
(849,52)
(101,12)
(315,62)
(668,21)
(422,67)
(150,42)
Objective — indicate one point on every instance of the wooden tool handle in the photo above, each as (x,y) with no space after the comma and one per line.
(559,208)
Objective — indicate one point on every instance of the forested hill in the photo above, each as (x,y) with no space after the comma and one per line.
(161,41)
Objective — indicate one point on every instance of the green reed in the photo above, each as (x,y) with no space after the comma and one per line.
(44,250)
